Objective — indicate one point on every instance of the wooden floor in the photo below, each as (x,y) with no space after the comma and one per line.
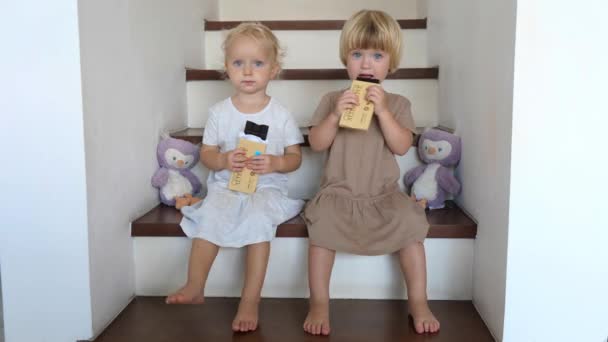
(148,319)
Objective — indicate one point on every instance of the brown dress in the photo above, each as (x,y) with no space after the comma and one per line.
(359,208)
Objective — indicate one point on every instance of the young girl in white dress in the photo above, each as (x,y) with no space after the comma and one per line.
(227,218)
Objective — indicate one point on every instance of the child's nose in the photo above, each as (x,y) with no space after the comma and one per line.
(366,61)
(247,69)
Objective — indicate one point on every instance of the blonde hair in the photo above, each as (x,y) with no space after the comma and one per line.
(369,29)
(260,34)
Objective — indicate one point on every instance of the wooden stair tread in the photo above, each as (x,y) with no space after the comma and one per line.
(450,222)
(316,74)
(148,319)
(308,25)
(195,135)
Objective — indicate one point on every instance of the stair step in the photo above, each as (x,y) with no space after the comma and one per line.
(301,97)
(150,319)
(296,25)
(195,135)
(318,49)
(450,222)
(317,74)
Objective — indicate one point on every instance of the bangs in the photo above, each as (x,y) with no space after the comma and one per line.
(369,36)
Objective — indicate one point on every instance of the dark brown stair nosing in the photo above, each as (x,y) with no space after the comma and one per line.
(307,25)
(195,135)
(316,74)
(450,222)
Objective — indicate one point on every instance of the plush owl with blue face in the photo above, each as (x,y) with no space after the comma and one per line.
(174,178)
(433,181)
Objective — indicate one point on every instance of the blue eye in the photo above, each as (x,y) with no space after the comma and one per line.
(356,54)
(259,64)
(237,63)
(378,56)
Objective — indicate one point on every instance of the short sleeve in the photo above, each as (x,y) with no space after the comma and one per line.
(210,136)
(323,109)
(292,133)
(403,113)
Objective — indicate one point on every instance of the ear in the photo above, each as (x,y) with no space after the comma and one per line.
(275,71)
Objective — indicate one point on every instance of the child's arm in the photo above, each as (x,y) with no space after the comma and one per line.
(398,139)
(322,135)
(214,160)
(266,163)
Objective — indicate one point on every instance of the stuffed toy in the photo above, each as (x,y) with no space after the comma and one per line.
(431,182)
(174,179)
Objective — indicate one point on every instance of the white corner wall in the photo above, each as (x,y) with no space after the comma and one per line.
(473,44)
(134,55)
(312,9)
(43,237)
(557,274)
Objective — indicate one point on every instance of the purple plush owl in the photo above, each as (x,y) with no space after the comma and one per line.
(431,182)
(175,181)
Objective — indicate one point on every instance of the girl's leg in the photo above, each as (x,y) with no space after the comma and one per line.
(202,255)
(320,264)
(413,265)
(257,260)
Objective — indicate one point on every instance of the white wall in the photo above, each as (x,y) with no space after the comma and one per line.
(473,43)
(422,8)
(311,9)
(133,59)
(1,313)
(557,272)
(43,238)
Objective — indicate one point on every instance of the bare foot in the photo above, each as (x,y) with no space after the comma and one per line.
(186,295)
(317,320)
(424,320)
(246,318)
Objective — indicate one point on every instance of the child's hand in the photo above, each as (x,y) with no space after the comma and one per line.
(377,96)
(263,163)
(346,101)
(235,160)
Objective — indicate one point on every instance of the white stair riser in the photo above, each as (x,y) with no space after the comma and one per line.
(161,267)
(318,49)
(301,97)
(304,182)
(314,9)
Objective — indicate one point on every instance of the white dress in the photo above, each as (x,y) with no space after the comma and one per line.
(233,219)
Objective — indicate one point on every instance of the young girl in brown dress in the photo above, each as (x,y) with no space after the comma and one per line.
(359,208)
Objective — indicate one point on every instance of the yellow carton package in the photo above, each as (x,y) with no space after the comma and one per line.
(246,181)
(360,116)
